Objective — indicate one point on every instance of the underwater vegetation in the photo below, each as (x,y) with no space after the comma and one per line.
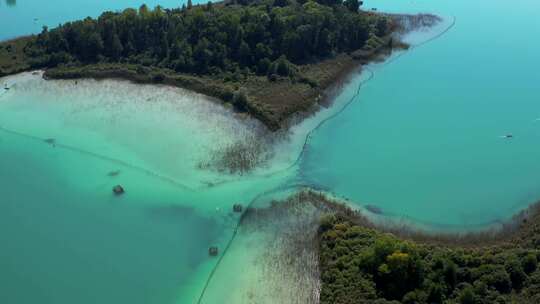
(11,2)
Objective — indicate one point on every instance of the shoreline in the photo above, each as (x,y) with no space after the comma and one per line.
(304,103)
(277,103)
(518,229)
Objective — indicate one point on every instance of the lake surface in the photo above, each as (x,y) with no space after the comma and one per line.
(423,140)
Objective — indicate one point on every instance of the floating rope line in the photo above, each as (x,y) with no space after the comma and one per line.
(360,85)
(235,232)
(54,143)
(304,148)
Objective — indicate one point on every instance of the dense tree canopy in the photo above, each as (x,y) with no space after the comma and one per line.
(360,265)
(266,37)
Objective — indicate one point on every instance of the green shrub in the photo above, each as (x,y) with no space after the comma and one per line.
(398,270)
(530,263)
(240,100)
(467,296)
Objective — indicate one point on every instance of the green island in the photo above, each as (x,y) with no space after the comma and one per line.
(269,58)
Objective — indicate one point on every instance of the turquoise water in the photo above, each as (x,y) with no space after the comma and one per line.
(423,141)
(67,243)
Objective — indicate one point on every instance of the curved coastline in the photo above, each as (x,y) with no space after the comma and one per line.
(285,202)
(302,95)
(490,233)
(506,231)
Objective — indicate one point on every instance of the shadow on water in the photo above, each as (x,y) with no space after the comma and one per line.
(176,213)
(11,2)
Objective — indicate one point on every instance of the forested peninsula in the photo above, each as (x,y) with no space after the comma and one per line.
(360,263)
(270,58)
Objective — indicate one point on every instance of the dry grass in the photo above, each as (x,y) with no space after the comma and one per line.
(240,157)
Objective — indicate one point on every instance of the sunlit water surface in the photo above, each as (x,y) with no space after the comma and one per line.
(423,141)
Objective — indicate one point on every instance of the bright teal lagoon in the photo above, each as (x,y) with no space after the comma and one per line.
(423,141)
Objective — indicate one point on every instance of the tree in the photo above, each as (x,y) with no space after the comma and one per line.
(400,274)
(210,40)
(515,270)
(94,47)
(116,47)
(245,53)
(283,66)
(202,55)
(262,51)
(263,66)
(143,10)
(352,5)
(329,2)
(163,46)
(467,296)
(240,100)
(325,42)
(450,274)
(281,3)
(530,263)
(382,26)
(57,43)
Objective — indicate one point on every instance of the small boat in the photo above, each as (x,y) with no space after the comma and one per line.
(509,136)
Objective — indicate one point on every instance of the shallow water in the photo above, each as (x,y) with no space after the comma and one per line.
(68,240)
(421,141)
(65,144)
